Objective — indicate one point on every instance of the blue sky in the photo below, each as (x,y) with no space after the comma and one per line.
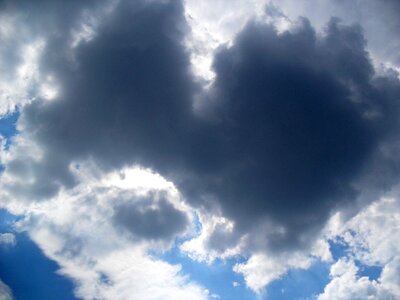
(30,274)
(199,150)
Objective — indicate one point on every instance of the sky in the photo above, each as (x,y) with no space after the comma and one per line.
(199,150)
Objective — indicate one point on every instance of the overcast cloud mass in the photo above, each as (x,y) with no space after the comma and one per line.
(263,133)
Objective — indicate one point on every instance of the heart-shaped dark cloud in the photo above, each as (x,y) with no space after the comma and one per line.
(290,123)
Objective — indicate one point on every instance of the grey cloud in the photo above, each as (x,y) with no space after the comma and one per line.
(5,292)
(289,124)
(24,27)
(110,106)
(24,22)
(292,110)
(160,222)
(379,18)
(382,24)
(222,238)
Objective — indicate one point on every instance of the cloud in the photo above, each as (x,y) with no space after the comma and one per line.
(282,134)
(368,241)
(102,259)
(390,277)
(215,239)
(211,28)
(300,116)
(119,76)
(379,20)
(375,226)
(295,126)
(291,138)
(368,237)
(151,222)
(263,268)
(5,292)
(260,270)
(24,30)
(346,284)
(7,239)
(285,130)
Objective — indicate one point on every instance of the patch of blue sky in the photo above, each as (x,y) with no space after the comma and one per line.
(220,279)
(8,127)
(372,272)
(340,249)
(30,274)
(217,277)
(297,284)
(27,271)
(7,220)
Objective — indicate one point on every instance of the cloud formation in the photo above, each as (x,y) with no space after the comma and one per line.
(293,134)
(159,222)
(368,237)
(346,284)
(286,128)
(104,260)
(24,31)
(295,126)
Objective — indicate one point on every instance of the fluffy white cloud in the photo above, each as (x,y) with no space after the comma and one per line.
(18,63)
(371,234)
(263,268)
(390,277)
(78,229)
(217,240)
(260,269)
(213,27)
(371,239)
(347,285)
(214,229)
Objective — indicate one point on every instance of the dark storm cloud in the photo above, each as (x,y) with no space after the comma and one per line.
(291,121)
(162,222)
(125,96)
(300,118)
